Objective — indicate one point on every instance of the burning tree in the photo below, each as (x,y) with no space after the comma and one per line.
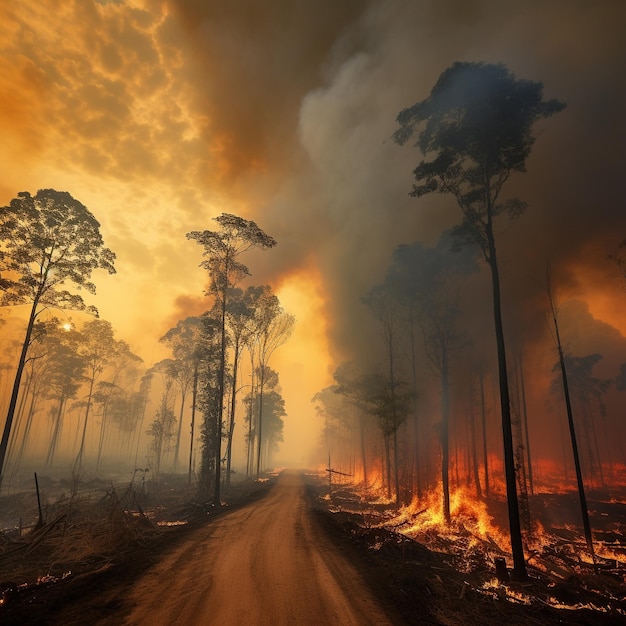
(476,128)
(46,241)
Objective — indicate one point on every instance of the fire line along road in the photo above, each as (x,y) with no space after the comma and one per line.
(266,563)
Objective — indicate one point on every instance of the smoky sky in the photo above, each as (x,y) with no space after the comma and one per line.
(161,115)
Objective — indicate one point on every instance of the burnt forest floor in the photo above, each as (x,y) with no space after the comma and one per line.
(452,582)
(95,540)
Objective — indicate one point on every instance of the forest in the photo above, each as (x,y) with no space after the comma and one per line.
(79,396)
(402,276)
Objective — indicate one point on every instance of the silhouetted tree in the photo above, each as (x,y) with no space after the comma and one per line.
(562,367)
(64,378)
(222,248)
(48,241)
(97,346)
(240,319)
(184,341)
(272,328)
(425,277)
(349,379)
(381,302)
(476,128)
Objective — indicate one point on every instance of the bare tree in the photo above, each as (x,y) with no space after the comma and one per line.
(554,313)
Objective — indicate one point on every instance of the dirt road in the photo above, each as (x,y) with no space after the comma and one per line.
(264,564)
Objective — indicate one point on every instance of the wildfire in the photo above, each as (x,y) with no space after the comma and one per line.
(469,517)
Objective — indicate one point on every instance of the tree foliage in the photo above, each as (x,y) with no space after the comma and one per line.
(48,242)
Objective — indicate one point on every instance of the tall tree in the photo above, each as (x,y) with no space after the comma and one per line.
(240,319)
(426,278)
(184,342)
(121,364)
(349,379)
(48,241)
(562,367)
(222,248)
(64,378)
(97,347)
(272,329)
(385,307)
(476,130)
(207,398)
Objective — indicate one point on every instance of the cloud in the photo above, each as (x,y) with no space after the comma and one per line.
(161,115)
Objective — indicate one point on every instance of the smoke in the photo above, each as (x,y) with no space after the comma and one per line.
(161,115)
(303,103)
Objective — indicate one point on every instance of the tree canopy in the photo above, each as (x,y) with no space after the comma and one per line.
(475,130)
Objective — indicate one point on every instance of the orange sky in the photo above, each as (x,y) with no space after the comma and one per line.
(159,115)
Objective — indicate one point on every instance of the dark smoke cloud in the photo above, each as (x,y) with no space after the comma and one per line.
(335,194)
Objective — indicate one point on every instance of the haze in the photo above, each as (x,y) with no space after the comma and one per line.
(161,115)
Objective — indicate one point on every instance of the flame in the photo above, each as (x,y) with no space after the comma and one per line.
(468,515)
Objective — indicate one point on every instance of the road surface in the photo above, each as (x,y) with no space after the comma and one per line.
(265,564)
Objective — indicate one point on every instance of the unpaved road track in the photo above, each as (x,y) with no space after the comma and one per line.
(265,564)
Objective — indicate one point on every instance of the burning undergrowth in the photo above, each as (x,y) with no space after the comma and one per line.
(454,566)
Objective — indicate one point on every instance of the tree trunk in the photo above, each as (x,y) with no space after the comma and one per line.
(193,418)
(55,432)
(363,457)
(474,447)
(183,395)
(233,404)
(27,427)
(525,418)
(445,436)
(418,484)
(4,443)
(517,547)
(260,420)
(79,457)
(484,426)
(220,409)
(570,419)
(387,465)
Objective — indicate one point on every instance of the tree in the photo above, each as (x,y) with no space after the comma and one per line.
(349,379)
(390,403)
(476,129)
(423,278)
(161,429)
(240,318)
(381,302)
(97,347)
(554,313)
(64,378)
(222,249)
(272,409)
(184,342)
(47,241)
(122,363)
(207,397)
(272,329)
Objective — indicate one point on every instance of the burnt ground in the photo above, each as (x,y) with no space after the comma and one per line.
(452,582)
(94,543)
